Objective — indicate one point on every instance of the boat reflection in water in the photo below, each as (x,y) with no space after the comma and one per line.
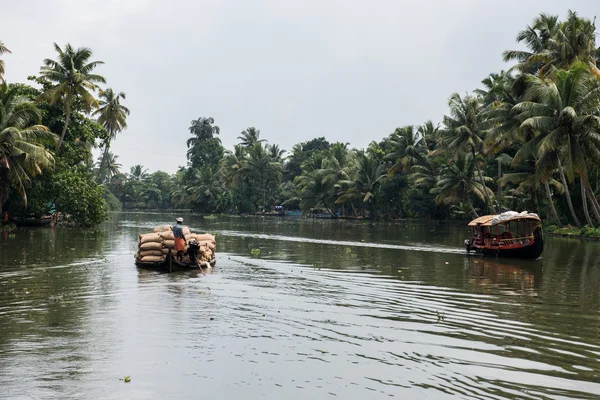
(524,278)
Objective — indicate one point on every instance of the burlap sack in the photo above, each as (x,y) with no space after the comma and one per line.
(209,244)
(162,228)
(152,259)
(204,236)
(186,230)
(145,253)
(150,237)
(167,235)
(151,246)
(165,251)
(169,244)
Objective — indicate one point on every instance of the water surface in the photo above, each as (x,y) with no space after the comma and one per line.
(329,309)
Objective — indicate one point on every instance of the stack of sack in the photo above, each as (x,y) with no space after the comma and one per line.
(154,247)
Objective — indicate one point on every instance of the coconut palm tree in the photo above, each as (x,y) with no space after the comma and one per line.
(314,191)
(408,149)
(275,152)
(429,133)
(3,50)
(112,115)
(138,173)
(370,173)
(22,139)
(249,137)
(555,45)
(73,80)
(465,132)
(536,37)
(564,111)
(263,170)
(457,183)
(206,188)
(111,165)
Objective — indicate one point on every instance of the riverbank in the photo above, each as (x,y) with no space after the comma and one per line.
(573,232)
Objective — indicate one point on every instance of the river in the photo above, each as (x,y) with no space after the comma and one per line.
(330,309)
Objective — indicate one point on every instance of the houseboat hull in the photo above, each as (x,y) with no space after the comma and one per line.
(532,251)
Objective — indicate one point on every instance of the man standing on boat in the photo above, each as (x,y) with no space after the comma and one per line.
(180,241)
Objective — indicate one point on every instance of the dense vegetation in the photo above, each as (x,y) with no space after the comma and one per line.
(528,139)
(42,171)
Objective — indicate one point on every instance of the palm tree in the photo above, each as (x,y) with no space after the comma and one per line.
(465,129)
(456,183)
(112,115)
(73,80)
(231,166)
(263,170)
(138,173)
(3,50)
(250,137)
(564,112)
(537,37)
(556,45)
(275,152)
(408,149)
(314,191)
(206,188)
(22,139)
(527,182)
(370,173)
(429,134)
(202,129)
(110,164)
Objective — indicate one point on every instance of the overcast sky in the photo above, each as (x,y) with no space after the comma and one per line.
(351,71)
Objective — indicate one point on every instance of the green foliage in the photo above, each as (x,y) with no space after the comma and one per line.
(255,253)
(112,202)
(76,193)
(204,148)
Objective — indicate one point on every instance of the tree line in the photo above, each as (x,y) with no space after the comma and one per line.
(527,139)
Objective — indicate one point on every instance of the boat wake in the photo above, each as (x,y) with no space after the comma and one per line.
(408,247)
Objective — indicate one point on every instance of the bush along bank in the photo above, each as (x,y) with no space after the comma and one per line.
(572,231)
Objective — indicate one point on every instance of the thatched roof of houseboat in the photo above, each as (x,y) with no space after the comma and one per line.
(505,217)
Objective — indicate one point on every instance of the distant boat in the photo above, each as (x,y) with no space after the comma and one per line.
(32,221)
(510,234)
(321,213)
(272,213)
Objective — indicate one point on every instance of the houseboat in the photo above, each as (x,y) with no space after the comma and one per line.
(510,234)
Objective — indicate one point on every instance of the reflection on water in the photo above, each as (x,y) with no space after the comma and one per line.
(331,309)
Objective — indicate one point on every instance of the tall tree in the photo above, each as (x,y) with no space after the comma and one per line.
(408,149)
(110,163)
(204,148)
(370,173)
(466,127)
(554,45)
(457,183)
(112,115)
(138,173)
(249,137)
(22,138)
(72,80)
(565,112)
